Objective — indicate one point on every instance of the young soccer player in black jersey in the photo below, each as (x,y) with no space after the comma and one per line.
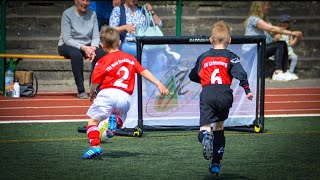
(215,70)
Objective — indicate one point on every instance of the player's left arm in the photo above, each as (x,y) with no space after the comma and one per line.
(239,73)
(149,76)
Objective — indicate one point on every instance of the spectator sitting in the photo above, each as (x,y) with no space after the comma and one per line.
(284,22)
(80,39)
(257,24)
(125,23)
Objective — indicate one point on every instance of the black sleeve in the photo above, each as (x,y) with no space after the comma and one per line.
(194,72)
(239,73)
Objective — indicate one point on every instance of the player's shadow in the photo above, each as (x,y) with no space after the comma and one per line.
(226,176)
(118,154)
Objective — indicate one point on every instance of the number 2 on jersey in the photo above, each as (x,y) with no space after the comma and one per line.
(119,82)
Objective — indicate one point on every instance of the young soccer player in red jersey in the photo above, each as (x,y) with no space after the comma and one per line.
(215,70)
(116,71)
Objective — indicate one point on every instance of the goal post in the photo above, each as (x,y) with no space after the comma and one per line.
(180,109)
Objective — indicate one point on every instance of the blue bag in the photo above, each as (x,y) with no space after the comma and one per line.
(149,29)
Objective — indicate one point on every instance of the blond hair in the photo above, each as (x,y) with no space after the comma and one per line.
(109,37)
(256,10)
(220,33)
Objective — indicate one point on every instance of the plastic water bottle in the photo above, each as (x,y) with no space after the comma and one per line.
(16,88)
(9,77)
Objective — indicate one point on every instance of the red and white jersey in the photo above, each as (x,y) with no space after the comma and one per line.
(117,70)
(219,66)
(214,70)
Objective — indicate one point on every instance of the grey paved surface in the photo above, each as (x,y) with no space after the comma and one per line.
(268,84)
(293,84)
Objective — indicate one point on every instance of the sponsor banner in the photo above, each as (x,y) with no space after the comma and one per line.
(181,106)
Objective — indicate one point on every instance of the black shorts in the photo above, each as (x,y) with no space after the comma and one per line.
(215,103)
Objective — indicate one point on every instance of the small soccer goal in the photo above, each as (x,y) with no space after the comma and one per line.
(172,63)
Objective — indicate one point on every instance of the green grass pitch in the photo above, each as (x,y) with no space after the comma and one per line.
(288,149)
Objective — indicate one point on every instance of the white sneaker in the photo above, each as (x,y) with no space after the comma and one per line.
(291,76)
(280,76)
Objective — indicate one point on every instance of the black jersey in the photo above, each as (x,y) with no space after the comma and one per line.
(219,66)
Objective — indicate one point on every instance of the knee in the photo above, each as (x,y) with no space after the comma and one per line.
(294,58)
(283,45)
(92,121)
(76,56)
(218,126)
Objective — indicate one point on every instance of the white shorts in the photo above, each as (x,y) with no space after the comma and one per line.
(110,101)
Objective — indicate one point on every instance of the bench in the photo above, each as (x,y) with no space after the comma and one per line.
(20,57)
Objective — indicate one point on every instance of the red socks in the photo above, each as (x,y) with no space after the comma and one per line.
(119,122)
(93,135)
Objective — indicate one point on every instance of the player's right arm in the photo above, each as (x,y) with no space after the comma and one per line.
(149,76)
(93,91)
(194,76)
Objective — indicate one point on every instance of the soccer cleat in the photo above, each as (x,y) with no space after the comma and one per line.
(91,152)
(214,168)
(112,125)
(207,146)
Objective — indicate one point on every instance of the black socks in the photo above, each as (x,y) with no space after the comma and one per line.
(201,135)
(218,146)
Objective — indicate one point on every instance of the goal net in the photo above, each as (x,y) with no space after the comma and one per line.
(172,62)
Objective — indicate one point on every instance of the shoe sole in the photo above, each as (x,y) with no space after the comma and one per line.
(111,121)
(207,147)
(93,156)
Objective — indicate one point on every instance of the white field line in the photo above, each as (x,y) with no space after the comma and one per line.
(295,88)
(291,110)
(45,107)
(302,101)
(293,115)
(288,95)
(57,107)
(47,115)
(85,120)
(43,121)
(26,100)
(68,99)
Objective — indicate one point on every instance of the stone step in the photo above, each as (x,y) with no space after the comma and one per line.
(308,48)
(39,8)
(52,71)
(48,70)
(29,26)
(33,27)
(168,7)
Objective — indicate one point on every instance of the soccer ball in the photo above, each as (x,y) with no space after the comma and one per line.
(103,128)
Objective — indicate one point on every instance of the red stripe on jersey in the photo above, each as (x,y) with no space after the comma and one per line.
(117,70)
(214,70)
